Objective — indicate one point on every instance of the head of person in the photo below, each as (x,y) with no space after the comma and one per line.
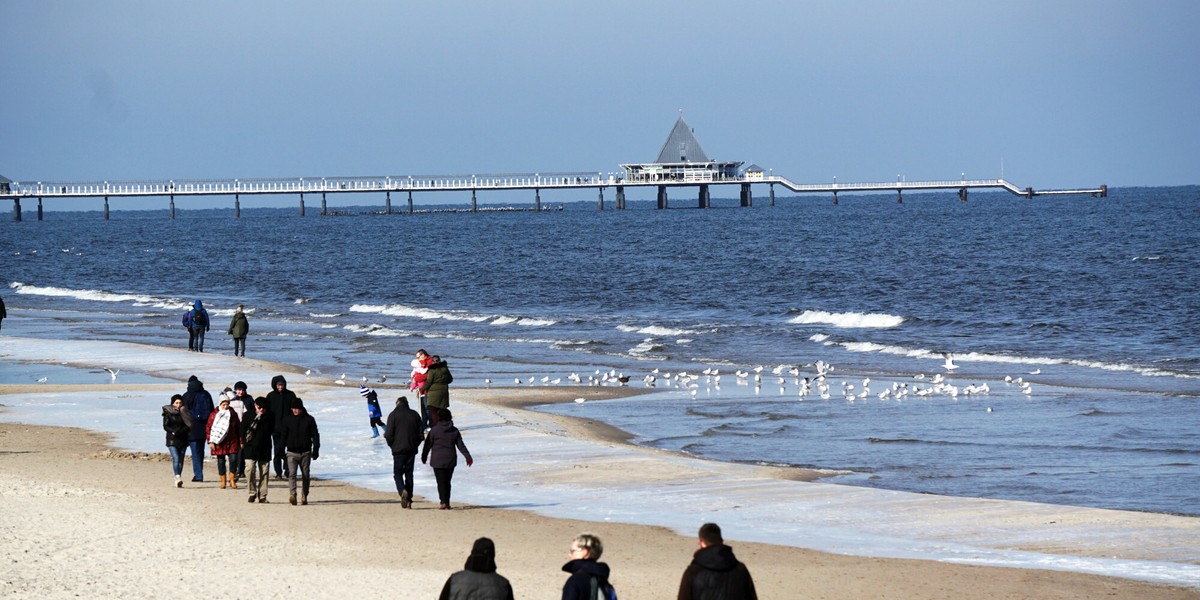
(297,407)
(239,388)
(587,547)
(177,401)
(240,307)
(710,535)
(260,405)
(402,402)
(444,415)
(224,405)
(278,383)
(435,358)
(483,556)
(421,354)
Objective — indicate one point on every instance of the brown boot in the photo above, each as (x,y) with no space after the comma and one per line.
(303,500)
(292,499)
(223,482)
(233,481)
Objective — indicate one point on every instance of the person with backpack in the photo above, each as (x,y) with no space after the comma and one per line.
(199,318)
(191,329)
(199,403)
(589,576)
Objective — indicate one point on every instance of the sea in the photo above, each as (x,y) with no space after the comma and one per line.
(1044,349)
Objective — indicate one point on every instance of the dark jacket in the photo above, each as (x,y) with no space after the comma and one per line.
(177,430)
(239,325)
(579,584)
(279,404)
(437,385)
(440,444)
(300,434)
(198,402)
(256,436)
(716,574)
(476,585)
(403,432)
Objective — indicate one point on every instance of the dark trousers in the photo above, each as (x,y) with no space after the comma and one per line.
(402,472)
(239,342)
(298,461)
(280,454)
(191,338)
(443,477)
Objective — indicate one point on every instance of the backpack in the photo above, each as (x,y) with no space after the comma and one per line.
(199,319)
(187,319)
(602,592)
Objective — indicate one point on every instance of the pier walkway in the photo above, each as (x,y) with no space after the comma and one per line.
(535,182)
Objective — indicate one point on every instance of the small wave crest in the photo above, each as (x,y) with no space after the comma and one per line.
(657,330)
(850,320)
(100,296)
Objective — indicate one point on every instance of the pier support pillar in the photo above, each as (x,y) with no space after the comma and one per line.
(302,204)
(620,197)
(835,197)
(962,194)
(1029,193)
(772,195)
(171,209)
(662,197)
(704,198)
(237,206)
(389,202)
(39,208)
(899,197)
(474,207)
(746,199)
(600,206)
(1104,191)
(324,206)
(537,199)
(410,202)
(106,208)
(17,209)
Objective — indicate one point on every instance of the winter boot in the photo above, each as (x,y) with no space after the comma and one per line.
(374,431)
(178,481)
(223,478)
(233,481)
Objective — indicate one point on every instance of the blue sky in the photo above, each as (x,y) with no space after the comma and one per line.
(1063,93)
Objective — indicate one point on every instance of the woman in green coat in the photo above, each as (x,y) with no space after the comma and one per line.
(239,326)
(437,387)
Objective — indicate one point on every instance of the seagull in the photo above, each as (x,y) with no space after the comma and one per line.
(517,380)
(1036,372)
(950,366)
(341,380)
(487,382)
(307,372)
(364,378)
(382,378)
(42,380)
(580,401)
(112,373)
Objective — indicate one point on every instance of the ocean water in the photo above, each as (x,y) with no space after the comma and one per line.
(1091,302)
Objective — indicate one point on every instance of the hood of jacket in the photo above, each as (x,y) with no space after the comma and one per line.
(716,558)
(198,305)
(588,567)
(276,380)
(170,409)
(194,385)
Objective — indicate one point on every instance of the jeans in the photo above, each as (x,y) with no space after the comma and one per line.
(177,459)
(402,472)
(277,441)
(191,338)
(301,460)
(443,477)
(239,342)
(233,464)
(197,447)
(199,339)
(260,472)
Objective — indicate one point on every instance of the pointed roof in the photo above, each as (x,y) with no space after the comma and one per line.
(681,146)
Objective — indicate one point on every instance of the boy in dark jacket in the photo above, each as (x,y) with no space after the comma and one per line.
(715,573)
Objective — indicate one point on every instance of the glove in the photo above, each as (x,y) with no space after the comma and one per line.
(316,455)
(470,462)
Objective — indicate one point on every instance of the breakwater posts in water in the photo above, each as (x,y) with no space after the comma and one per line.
(82,191)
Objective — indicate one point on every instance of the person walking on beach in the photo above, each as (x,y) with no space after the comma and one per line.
(176,424)
(279,404)
(715,573)
(239,326)
(224,441)
(302,442)
(437,387)
(438,450)
(589,576)
(199,403)
(420,366)
(403,436)
(256,449)
(242,404)
(3,312)
(199,318)
(373,411)
(478,580)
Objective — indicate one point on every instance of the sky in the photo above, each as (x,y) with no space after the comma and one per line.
(1048,94)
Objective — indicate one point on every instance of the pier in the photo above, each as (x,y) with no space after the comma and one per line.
(681,163)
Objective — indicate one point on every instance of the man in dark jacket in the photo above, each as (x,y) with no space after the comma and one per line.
(199,403)
(302,443)
(403,435)
(715,573)
(257,444)
(279,404)
(479,578)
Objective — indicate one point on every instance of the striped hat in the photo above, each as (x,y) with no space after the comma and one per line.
(363,390)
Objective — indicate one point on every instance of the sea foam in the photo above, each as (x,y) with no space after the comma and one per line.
(851,320)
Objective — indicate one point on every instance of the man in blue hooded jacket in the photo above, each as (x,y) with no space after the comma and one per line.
(199,319)
(199,403)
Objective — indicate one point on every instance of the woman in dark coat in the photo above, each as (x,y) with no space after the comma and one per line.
(439,451)
(437,387)
(257,445)
(175,423)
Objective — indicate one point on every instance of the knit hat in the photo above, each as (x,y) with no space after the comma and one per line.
(363,390)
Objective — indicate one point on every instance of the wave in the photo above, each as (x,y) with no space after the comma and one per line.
(851,320)
(400,310)
(1150,258)
(657,330)
(101,296)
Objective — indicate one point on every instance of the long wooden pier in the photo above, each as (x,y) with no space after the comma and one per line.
(420,184)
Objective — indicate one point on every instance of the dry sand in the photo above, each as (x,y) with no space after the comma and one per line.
(80,519)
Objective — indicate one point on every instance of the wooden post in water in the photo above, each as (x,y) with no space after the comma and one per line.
(106,208)
(39,208)
(835,197)
(620,197)
(324,207)
(772,194)
(410,211)
(17,209)
(899,198)
(601,205)
(474,207)
(302,204)
(962,194)
(662,197)
(747,200)
(389,202)
(704,201)
(172,207)
(537,199)
(237,206)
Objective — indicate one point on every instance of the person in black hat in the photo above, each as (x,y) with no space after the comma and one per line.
(302,443)
(478,579)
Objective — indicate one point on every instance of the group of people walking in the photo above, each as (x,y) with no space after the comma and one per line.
(197,322)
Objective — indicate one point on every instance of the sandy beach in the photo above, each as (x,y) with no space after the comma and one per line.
(83,518)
